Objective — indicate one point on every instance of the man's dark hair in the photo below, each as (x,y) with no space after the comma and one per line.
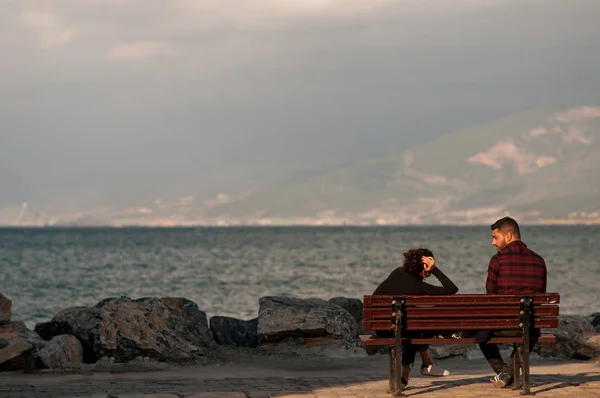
(413,263)
(507,224)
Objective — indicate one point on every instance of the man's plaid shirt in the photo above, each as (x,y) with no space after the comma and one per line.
(516,270)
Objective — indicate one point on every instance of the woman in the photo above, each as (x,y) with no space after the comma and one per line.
(408,280)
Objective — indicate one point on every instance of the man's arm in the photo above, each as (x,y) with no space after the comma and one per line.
(448,287)
(545,276)
(491,284)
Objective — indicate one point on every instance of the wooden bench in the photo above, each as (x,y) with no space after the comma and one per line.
(461,312)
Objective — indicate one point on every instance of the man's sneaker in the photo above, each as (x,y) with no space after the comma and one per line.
(502,380)
(434,370)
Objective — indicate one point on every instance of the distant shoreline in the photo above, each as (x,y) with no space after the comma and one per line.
(290,226)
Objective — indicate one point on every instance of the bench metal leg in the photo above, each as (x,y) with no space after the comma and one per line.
(392,356)
(396,385)
(526,309)
(398,370)
(517,367)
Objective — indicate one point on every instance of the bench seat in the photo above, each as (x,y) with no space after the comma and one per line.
(369,340)
(461,312)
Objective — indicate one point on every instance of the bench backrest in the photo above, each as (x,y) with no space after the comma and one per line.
(460,312)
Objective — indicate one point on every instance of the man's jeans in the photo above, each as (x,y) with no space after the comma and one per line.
(492,353)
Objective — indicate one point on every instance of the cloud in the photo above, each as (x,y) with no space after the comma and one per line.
(574,124)
(48,28)
(179,202)
(507,153)
(574,134)
(543,161)
(571,125)
(138,50)
(538,131)
(576,114)
(260,89)
(267,14)
(95,19)
(428,178)
(408,157)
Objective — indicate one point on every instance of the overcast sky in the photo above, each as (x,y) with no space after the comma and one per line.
(110,102)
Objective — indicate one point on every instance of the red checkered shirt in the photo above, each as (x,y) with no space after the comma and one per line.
(516,270)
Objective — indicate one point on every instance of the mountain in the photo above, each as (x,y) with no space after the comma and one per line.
(540,165)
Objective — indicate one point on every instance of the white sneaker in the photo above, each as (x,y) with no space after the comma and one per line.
(435,371)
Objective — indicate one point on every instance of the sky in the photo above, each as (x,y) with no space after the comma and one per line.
(122,102)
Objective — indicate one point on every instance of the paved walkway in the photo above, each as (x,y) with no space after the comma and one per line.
(300,378)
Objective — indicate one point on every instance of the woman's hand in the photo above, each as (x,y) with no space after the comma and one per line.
(428,263)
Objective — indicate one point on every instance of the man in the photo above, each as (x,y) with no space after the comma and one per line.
(515,269)
(408,280)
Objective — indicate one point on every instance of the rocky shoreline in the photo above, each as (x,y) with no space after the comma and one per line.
(153,333)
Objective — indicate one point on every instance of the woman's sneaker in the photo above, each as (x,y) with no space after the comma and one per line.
(434,370)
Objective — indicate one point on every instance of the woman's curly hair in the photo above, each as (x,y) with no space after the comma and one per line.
(413,263)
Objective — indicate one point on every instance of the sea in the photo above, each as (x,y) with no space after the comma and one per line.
(227,270)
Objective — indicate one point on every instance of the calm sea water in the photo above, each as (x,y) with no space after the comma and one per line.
(226,270)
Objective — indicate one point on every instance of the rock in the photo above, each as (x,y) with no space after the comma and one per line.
(5,309)
(167,329)
(18,355)
(448,350)
(234,332)
(595,320)
(189,309)
(574,339)
(61,352)
(591,346)
(473,352)
(16,330)
(290,324)
(14,350)
(92,326)
(353,306)
(48,330)
(19,347)
(469,351)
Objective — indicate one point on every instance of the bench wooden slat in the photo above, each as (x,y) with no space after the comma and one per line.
(461,312)
(367,340)
(461,299)
(461,324)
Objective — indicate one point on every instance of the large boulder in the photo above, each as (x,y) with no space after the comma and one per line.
(591,346)
(167,329)
(5,309)
(92,326)
(19,346)
(47,330)
(234,332)
(449,350)
(353,306)
(595,321)
(576,338)
(294,325)
(17,355)
(61,352)
(468,351)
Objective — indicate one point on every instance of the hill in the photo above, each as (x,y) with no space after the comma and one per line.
(541,165)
